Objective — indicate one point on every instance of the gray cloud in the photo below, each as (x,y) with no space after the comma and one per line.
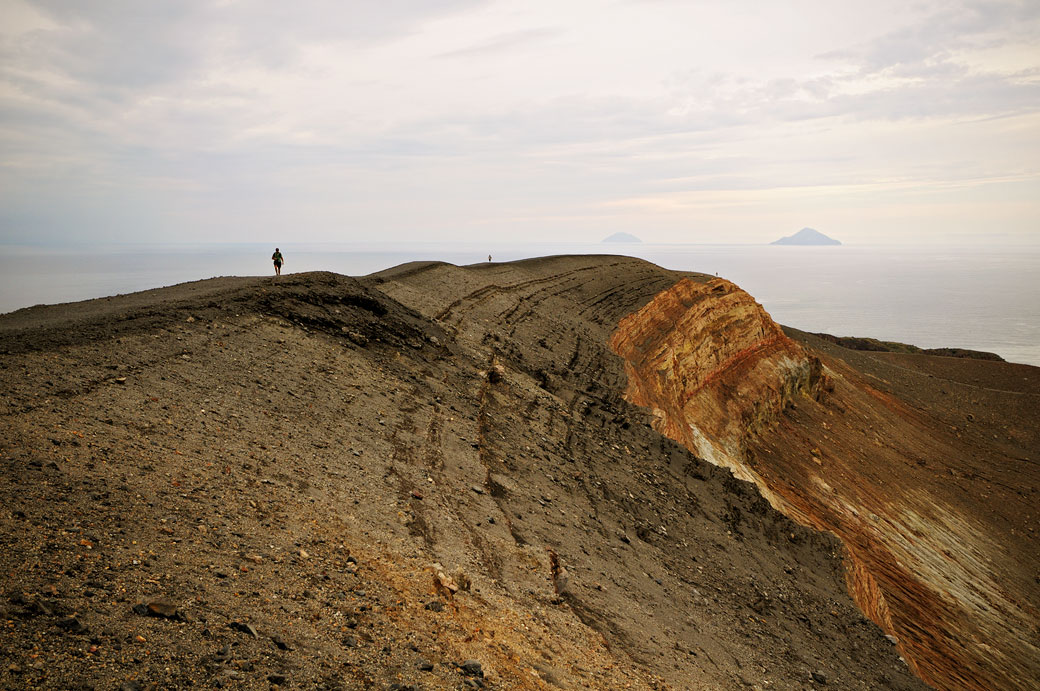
(117,45)
(128,44)
(939,35)
(202,116)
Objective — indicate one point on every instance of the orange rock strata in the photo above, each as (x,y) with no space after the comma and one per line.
(833,452)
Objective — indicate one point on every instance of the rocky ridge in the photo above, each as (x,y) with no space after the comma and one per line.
(427,478)
(841,454)
(875,345)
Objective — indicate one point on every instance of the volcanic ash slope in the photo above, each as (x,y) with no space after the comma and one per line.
(428,478)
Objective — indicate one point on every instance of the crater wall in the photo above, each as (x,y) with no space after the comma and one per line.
(927,560)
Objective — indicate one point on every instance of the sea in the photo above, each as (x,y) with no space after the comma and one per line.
(980,298)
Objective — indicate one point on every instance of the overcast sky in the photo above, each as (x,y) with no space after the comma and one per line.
(456,120)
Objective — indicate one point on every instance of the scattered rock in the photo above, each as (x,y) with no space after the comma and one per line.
(472,668)
(72,625)
(562,582)
(445,585)
(244,628)
(163,608)
(435,606)
(277,679)
(462,580)
(30,607)
(223,655)
(819,677)
(279,643)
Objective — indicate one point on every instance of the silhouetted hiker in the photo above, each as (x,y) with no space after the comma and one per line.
(489,257)
(278,259)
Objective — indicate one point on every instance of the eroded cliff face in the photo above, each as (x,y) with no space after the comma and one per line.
(929,560)
(714,368)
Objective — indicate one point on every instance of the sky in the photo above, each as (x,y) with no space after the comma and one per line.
(462,120)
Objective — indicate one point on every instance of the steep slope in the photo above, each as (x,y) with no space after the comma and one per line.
(324,482)
(713,367)
(938,527)
(646,534)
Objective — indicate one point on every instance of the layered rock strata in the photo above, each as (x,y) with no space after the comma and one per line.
(926,562)
(713,367)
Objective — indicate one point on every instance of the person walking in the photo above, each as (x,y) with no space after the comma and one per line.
(277,259)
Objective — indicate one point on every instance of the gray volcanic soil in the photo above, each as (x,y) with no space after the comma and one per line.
(247,482)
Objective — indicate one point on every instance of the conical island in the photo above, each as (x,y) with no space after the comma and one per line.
(806,236)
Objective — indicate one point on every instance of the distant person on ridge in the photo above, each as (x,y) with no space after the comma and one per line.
(277,258)
(489,257)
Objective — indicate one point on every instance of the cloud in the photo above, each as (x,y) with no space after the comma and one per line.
(210,115)
(503,42)
(128,44)
(949,34)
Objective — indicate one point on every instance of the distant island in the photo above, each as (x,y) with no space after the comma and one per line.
(806,236)
(622,237)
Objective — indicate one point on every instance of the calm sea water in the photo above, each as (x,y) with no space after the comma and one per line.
(986,299)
